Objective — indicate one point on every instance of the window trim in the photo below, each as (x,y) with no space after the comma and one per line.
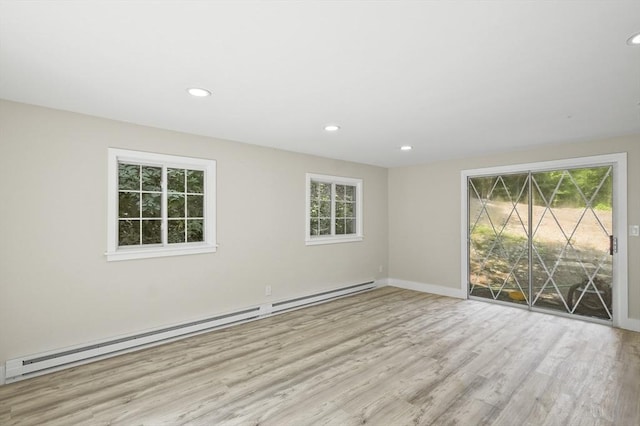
(115,253)
(333,239)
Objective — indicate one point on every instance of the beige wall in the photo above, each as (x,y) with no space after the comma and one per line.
(425,212)
(57,289)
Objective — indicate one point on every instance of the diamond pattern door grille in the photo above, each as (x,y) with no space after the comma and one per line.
(498,232)
(542,239)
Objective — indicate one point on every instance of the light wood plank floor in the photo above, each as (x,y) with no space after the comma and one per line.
(385,357)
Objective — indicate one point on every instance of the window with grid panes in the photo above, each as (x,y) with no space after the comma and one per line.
(160,205)
(334,209)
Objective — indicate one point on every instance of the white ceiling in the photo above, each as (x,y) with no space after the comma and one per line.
(451,78)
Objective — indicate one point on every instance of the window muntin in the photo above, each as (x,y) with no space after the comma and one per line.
(345,202)
(139,204)
(320,220)
(185,205)
(161,205)
(334,212)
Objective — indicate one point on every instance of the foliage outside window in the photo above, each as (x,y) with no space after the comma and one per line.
(334,209)
(159,205)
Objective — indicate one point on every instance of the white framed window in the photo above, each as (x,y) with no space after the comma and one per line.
(334,209)
(159,205)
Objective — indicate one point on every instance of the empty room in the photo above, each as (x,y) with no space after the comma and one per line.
(320,212)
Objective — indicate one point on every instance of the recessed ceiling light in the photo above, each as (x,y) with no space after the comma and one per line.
(634,40)
(198,92)
(332,127)
(406,148)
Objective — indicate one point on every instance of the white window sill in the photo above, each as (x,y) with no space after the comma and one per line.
(128,254)
(332,240)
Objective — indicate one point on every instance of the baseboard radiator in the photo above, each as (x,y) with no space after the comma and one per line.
(43,363)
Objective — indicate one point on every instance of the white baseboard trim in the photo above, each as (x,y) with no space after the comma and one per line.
(630,324)
(47,362)
(427,288)
(382,282)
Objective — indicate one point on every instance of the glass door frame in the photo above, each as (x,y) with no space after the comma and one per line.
(620,261)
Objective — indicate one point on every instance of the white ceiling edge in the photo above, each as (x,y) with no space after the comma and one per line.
(453,79)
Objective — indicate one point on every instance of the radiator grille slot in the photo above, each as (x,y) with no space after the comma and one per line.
(325,296)
(140,336)
(357,287)
(38,364)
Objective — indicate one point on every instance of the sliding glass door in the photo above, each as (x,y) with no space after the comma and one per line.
(499,237)
(543,240)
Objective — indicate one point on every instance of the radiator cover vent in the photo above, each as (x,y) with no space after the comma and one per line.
(38,364)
